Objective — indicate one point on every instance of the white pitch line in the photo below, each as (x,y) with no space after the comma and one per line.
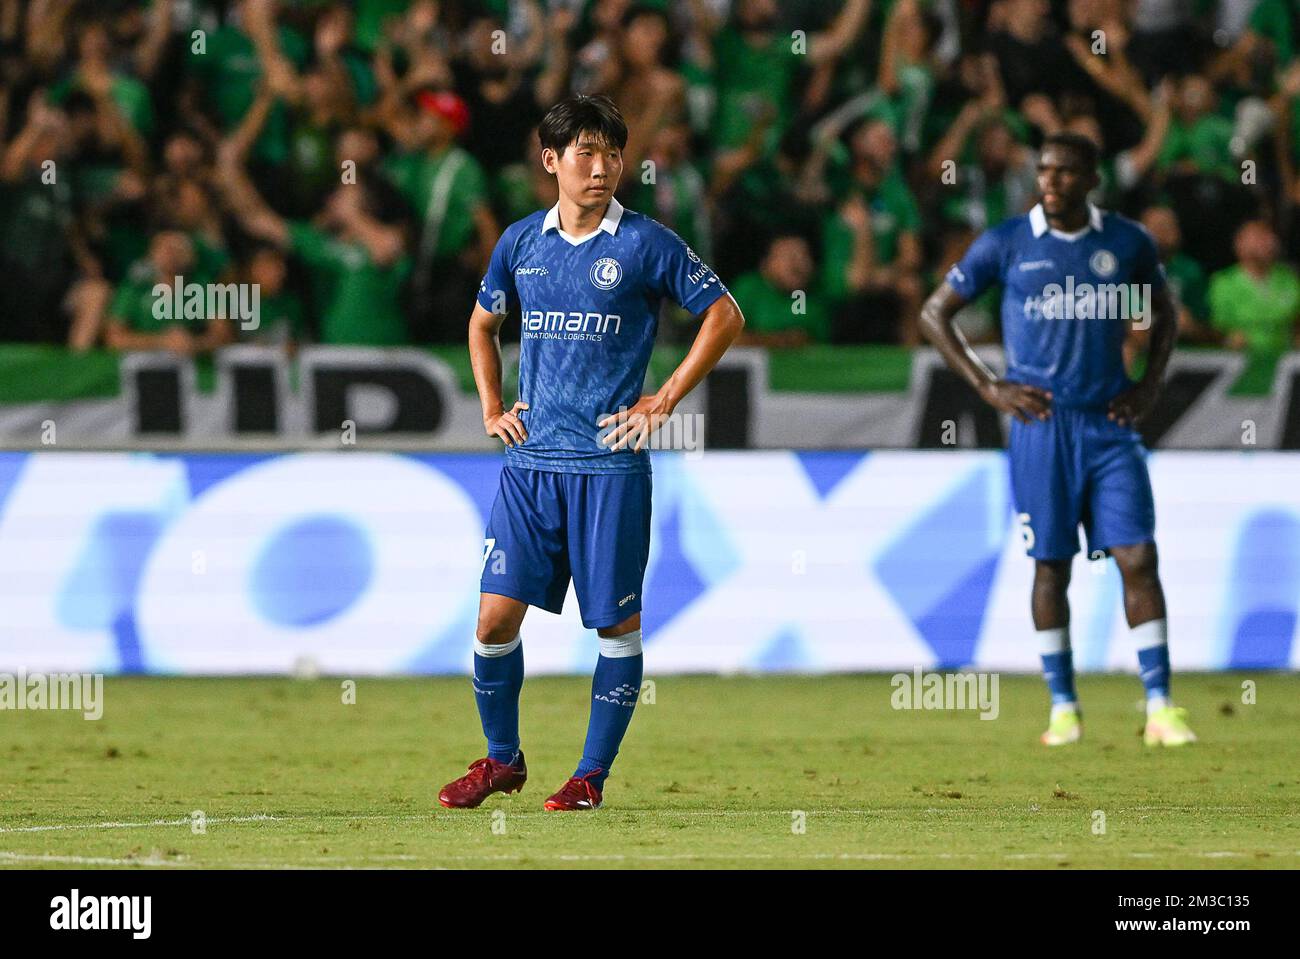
(664,813)
(367,862)
(60,827)
(865,856)
(86,860)
(187,821)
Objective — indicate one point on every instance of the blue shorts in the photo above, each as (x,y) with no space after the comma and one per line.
(1078,467)
(547,527)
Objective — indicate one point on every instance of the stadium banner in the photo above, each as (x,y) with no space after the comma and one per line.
(252,397)
(368,563)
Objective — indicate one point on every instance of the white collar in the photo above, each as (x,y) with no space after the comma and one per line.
(1038,223)
(609,223)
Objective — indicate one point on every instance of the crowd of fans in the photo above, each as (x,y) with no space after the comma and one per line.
(358,160)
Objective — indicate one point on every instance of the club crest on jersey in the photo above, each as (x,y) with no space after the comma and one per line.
(1103,263)
(605,273)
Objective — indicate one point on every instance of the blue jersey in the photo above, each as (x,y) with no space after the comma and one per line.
(589,310)
(1067,300)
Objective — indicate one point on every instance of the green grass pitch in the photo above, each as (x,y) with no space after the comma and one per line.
(803,772)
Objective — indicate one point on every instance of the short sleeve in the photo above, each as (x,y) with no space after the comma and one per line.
(1147,268)
(676,271)
(497,293)
(979,269)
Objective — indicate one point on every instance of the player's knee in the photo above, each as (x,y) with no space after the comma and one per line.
(1137,563)
(1052,576)
(494,631)
(629,625)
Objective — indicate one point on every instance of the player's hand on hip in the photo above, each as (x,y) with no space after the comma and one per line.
(1131,405)
(507,425)
(1026,403)
(630,427)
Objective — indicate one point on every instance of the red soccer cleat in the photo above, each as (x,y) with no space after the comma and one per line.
(485,777)
(578,793)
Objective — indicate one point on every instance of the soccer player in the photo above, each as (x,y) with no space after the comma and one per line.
(1071,275)
(587,278)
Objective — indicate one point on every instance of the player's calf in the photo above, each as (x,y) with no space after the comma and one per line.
(615,688)
(1144,607)
(1051,607)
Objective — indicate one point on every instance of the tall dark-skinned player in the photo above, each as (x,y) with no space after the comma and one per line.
(1075,280)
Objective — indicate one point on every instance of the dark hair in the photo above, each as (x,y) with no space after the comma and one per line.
(596,115)
(1084,147)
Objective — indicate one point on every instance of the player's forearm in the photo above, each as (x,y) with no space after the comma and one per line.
(719,329)
(938,327)
(1164,331)
(485,359)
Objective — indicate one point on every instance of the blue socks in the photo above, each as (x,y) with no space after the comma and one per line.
(498,678)
(1152,643)
(1058,665)
(615,688)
